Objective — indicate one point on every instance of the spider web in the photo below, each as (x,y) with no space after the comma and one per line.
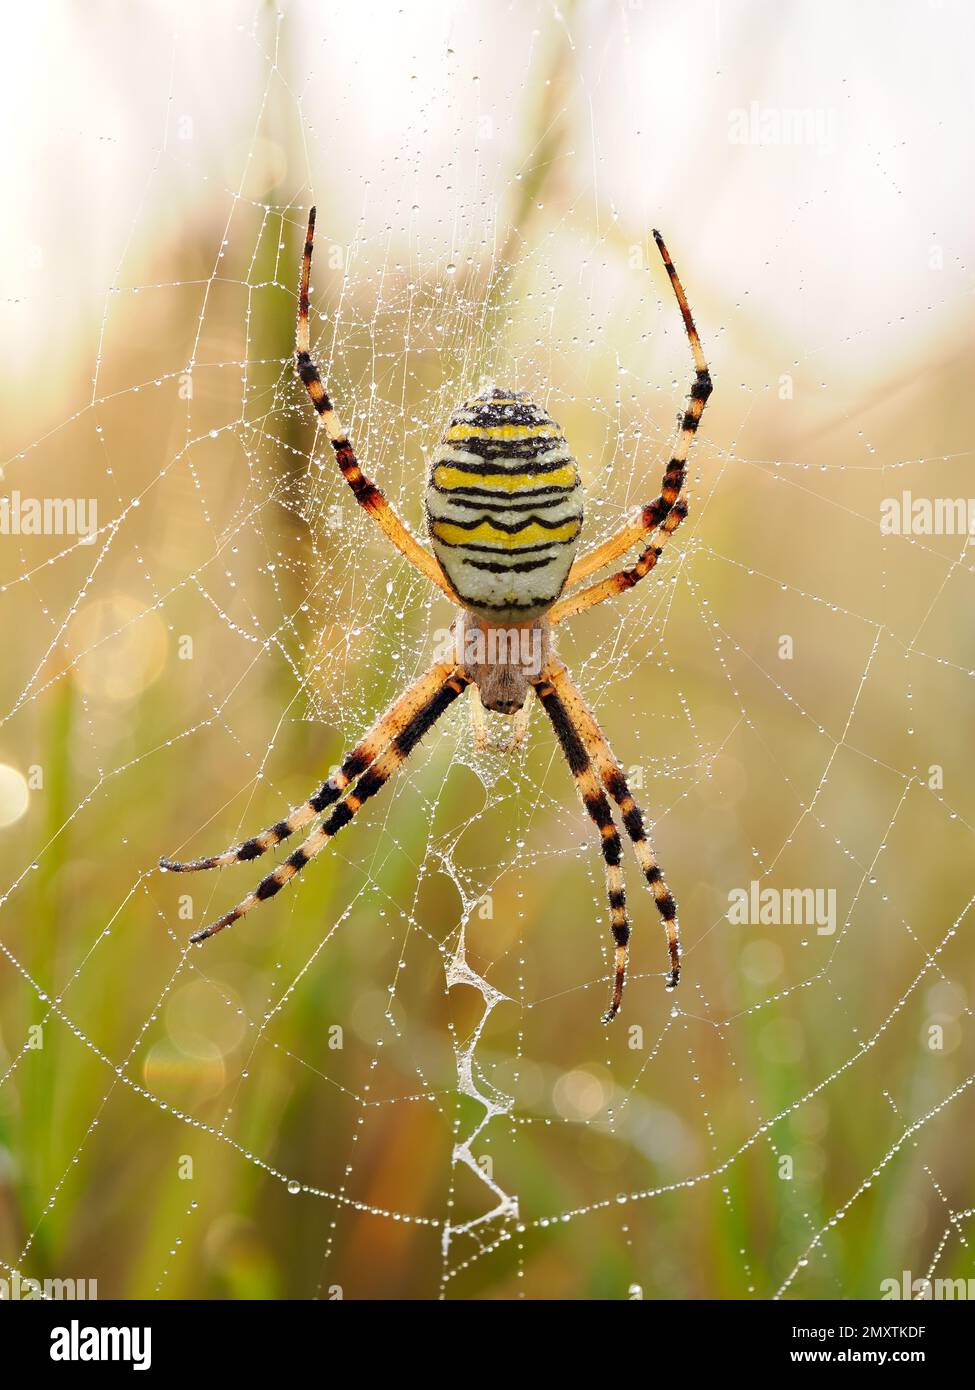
(392,1080)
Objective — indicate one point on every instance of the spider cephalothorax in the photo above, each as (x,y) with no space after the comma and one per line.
(504,512)
(502,662)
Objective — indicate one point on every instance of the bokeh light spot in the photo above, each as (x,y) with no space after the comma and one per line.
(14,796)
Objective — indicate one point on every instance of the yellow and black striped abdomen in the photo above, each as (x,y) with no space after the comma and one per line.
(504,506)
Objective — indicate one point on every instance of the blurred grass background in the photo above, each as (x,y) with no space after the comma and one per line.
(485,196)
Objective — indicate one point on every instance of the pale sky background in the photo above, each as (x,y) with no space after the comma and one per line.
(97,100)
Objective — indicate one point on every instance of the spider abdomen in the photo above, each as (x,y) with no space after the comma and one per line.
(504,506)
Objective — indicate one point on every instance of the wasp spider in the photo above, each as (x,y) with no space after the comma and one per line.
(504,513)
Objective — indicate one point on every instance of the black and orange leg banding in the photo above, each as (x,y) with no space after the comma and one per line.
(597,750)
(370,497)
(371,781)
(657,512)
(362,756)
(598,808)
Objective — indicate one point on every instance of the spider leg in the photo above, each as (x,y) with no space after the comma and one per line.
(363,755)
(478,722)
(372,780)
(519,728)
(611,775)
(369,497)
(655,513)
(622,580)
(596,804)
